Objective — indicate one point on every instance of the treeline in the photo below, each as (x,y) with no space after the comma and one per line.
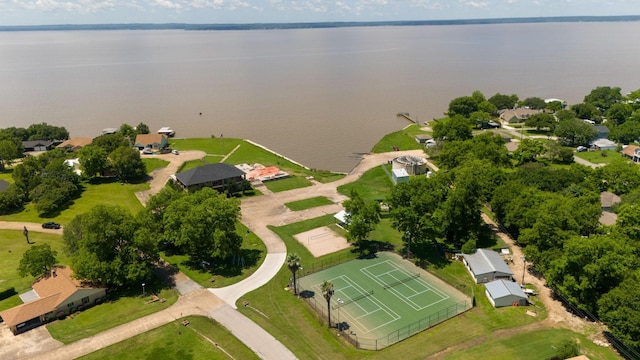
(551,211)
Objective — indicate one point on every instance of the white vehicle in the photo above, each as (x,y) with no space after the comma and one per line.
(175,152)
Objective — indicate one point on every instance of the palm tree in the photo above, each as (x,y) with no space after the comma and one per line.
(327,292)
(293,262)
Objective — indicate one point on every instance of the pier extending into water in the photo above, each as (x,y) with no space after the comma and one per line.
(407,116)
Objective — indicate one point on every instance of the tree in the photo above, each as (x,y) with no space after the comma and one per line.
(108,246)
(501,101)
(587,111)
(9,149)
(626,133)
(555,106)
(110,142)
(463,106)
(453,128)
(142,128)
(93,161)
(487,107)
(11,200)
(128,132)
(203,224)
(362,218)
(575,132)
(127,164)
(38,260)
(620,310)
(293,263)
(26,175)
(44,131)
(534,103)
(52,194)
(541,120)
(619,113)
(528,151)
(603,97)
(480,118)
(327,292)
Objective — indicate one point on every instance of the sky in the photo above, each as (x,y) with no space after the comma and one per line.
(51,12)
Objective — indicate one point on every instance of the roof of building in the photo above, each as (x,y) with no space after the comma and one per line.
(51,291)
(601,128)
(501,288)
(207,173)
(341,216)
(604,143)
(608,218)
(607,199)
(34,143)
(520,113)
(401,172)
(76,143)
(423,137)
(146,139)
(630,150)
(486,261)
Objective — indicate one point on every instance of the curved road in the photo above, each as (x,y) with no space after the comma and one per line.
(220,304)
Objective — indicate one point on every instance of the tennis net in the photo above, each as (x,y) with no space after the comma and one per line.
(401,281)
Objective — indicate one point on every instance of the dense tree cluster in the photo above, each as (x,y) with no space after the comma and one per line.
(362,218)
(552,212)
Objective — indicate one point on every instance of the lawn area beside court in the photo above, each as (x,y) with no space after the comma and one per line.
(252,253)
(290,183)
(13,245)
(308,203)
(374,184)
(112,313)
(175,341)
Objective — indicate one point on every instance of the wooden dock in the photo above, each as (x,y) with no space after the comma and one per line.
(406,115)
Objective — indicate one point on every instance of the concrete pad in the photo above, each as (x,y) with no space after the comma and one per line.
(321,241)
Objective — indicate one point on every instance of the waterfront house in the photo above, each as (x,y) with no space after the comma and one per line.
(36,145)
(632,152)
(155,142)
(217,176)
(54,295)
(75,144)
(517,115)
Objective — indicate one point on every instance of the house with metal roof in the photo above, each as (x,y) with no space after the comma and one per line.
(486,265)
(54,295)
(217,176)
(505,293)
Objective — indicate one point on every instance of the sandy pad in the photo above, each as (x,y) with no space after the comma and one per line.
(322,241)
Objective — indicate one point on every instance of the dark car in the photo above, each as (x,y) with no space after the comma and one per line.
(51,225)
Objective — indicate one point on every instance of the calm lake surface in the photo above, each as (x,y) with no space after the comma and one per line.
(318,96)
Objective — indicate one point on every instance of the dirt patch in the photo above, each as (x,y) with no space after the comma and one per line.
(322,241)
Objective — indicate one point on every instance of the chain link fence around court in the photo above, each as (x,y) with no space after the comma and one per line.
(320,306)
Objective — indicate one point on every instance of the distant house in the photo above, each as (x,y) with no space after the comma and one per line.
(604,144)
(632,152)
(603,132)
(517,115)
(37,145)
(399,175)
(505,293)
(217,176)
(486,265)
(75,144)
(151,141)
(52,296)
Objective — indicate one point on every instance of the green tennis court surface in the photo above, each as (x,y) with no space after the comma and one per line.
(382,300)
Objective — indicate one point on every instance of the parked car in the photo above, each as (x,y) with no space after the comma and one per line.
(51,225)
(581,148)
(147,151)
(175,152)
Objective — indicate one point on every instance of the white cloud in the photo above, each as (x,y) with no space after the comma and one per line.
(477,4)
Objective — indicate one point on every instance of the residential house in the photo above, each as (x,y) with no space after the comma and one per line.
(603,132)
(486,265)
(75,144)
(604,144)
(607,200)
(54,295)
(217,176)
(505,293)
(632,152)
(517,115)
(37,145)
(156,142)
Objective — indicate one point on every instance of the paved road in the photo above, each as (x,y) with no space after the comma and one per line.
(220,304)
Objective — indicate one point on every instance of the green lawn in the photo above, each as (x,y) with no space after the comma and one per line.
(253,252)
(375,184)
(601,157)
(216,146)
(403,139)
(308,203)
(13,244)
(293,182)
(175,341)
(111,314)
(153,163)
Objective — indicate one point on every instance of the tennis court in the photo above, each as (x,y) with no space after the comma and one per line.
(380,301)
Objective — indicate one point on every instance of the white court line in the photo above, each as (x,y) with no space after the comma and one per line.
(392,314)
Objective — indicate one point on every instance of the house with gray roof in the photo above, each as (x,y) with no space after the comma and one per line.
(486,265)
(216,176)
(505,293)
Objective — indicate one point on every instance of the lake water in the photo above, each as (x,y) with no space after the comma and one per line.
(318,96)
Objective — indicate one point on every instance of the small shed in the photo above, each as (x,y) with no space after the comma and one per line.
(423,138)
(342,218)
(486,265)
(399,175)
(505,293)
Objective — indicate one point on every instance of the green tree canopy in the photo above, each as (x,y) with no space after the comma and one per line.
(127,164)
(453,128)
(501,101)
(464,106)
(541,120)
(362,218)
(44,131)
(37,261)
(528,151)
(620,309)
(619,113)
(587,111)
(575,132)
(10,149)
(93,161)
(603,97)
(110,142)
(534,103)
(142,128)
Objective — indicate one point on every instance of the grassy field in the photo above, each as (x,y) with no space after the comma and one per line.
(403,139)
(12,245)
(293,182)
(153,163)
(175,341)
(111,314)
(308,203)
(601,157)
(375,184)
(253,252)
